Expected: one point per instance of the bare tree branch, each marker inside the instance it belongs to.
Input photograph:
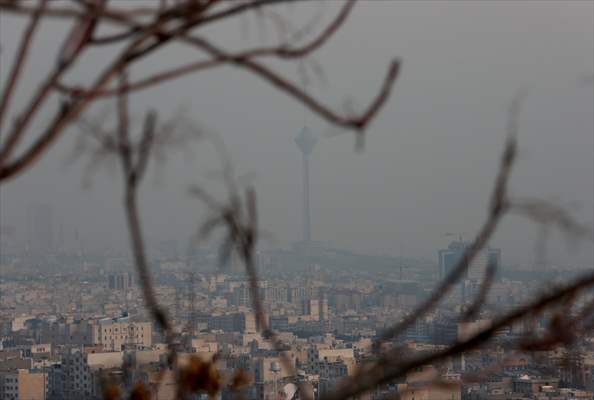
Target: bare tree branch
(149, 38)
(389, 366)
(19, 63)
(499, 205)
(34, 105)
(497, 209)
(144, 30)
(546, 213)
(481, 297)
(132, 175)
(22, 8)
(239, 217)
(358, 122)
(134, 160)
(282, 51)
(67, 113)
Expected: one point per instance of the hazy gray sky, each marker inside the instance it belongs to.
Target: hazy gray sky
(429, 158)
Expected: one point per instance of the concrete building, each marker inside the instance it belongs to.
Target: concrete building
(332, 372)
(532, 385)
(120, 280)
(420, 385)
(275, 295)
(330, 364)
(316, 309)
(421, 391)
(319, 353)
(65, 332)
(79, 375)
(244, 322)
(115, 333)
(23, 384)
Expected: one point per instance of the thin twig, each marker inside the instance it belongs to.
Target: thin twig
(497, 209)
(139, 48)
(19, 63)
(22, 9)
(358, 122)
(67, 113)
(481, 297)
(240, 219)
(547, 214)
(281, 51)
(496, 212)
(389, 366)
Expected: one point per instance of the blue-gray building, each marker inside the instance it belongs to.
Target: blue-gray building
(449, 258)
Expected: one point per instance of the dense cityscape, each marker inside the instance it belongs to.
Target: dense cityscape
(296, 200)
(72, 321)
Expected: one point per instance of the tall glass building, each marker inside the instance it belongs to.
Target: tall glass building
(449, 258)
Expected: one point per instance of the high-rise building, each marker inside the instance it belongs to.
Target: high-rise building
(120, 280)
(449, 258)
(40, 229)
(316, 309)
(8, 242)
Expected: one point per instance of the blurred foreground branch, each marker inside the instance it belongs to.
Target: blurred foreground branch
(160, 26)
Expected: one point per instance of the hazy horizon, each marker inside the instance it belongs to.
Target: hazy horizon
(429, 158)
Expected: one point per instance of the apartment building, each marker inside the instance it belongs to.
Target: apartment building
(23, 384)
(79, 375)
(233, 322)
(114, 334)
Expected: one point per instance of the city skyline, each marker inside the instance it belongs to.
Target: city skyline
(286, 200)
(428, 160)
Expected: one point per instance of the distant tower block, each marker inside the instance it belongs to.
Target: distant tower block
(306, 142)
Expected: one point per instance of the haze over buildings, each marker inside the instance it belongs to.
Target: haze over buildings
(40, 229)
(429, 159)
(349, 270)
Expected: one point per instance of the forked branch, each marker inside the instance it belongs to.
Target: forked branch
(167, 23)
